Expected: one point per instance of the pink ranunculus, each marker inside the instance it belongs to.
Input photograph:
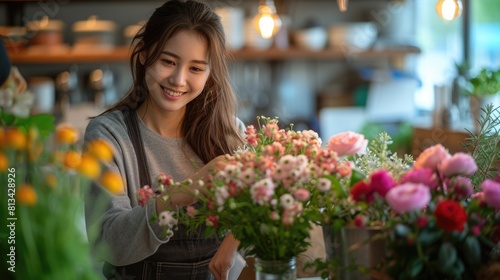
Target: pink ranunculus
(460, 186)
(424, 176)
(301, 194)
(491, 193)
(408, 197)
(431, 157)
(458, 164)
(347, 143)
(381, 182)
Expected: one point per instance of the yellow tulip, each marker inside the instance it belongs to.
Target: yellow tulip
(89, 166)
(66, 134)
(72, 159)
(34, 151)
(26, 195)
(16, 139)
(4, 162)
(112, 181)
(101, 150)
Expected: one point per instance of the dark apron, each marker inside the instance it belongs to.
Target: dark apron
(184, 257)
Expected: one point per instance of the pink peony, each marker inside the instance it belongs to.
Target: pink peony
(458, 164)
(381, 182)
(491, 193)
(424, 176)
(431, 157)
(348, 143)
(408, 197)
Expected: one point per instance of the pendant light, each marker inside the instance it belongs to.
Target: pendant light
(267, 21)
(342, 5)
(449, 9)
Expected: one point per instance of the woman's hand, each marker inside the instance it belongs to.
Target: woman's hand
(223, 260)
(183, 196)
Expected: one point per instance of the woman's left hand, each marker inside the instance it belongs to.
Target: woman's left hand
(223, 260)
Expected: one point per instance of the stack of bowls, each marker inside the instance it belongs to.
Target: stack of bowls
(354, 36)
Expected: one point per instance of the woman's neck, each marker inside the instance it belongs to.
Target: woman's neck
(166, 124)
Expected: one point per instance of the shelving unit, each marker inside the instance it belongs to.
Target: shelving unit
(121, 54)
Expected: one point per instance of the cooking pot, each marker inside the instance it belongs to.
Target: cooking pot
(93, 33)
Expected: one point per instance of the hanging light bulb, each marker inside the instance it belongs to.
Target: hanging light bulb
(267, 21)
(449, 9)
(342, 5)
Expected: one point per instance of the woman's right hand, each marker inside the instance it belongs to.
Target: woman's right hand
(183, 196)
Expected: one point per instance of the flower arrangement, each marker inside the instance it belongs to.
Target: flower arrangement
(442, 230)
(44, 174)
(268, 195)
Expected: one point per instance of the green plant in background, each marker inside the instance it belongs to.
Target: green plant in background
(401, 135)
(483, 145)
(485, 83)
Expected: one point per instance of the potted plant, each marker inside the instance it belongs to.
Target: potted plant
(483, 88)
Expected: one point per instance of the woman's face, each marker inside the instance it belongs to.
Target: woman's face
(180, 73)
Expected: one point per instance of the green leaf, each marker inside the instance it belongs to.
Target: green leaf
(356, 176)
(472, 251)
(427, 236)
(43, 122)
(447, 256)
(416, 266)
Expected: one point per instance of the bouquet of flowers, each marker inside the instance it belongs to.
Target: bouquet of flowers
(270, 191)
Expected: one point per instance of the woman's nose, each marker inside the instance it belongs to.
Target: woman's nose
(178, 77)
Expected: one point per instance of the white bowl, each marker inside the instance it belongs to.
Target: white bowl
(353, 36)
(314, 38)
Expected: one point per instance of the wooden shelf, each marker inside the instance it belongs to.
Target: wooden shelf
(122, 54)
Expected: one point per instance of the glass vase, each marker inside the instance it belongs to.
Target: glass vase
(275, 269)
(354, 248)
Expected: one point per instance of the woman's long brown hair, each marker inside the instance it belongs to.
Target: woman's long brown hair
(209, 125)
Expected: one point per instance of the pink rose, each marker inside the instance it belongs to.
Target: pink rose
(408, 197)
(347, 143)
(424, 176)
(458, 164)
(491, 193)
(431, 157)
(381, 182)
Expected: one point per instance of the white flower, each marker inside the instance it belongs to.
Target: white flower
(287, 201)
(166, 218)
(324, 184)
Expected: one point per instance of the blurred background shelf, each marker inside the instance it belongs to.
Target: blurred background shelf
(122, 54)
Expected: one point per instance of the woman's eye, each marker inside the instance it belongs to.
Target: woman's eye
(196, 69)
(167, 61)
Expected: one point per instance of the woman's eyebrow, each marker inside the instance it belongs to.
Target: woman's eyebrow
(178, 57)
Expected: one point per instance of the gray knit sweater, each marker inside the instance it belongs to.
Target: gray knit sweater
(125, 227)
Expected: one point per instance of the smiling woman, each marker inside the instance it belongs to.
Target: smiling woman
(179, 117)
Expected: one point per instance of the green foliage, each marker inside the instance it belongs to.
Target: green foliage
(486, 82)
(379, 156)
(483, 145)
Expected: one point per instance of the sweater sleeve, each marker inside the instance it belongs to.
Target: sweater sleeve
(117, 227)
